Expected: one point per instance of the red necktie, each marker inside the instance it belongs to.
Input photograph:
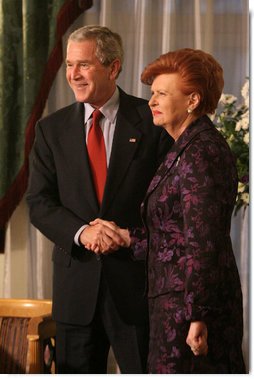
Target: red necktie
(97, 155)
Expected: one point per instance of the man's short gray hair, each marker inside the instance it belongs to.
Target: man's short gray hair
(108, 44)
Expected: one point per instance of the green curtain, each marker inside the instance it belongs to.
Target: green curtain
(30, 56)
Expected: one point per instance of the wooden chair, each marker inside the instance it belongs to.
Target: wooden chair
(27, 336)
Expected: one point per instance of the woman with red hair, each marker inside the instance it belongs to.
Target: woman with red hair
(193, 286)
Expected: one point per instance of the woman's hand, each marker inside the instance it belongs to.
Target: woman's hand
(197, 338)
(95, 238)
(113, 237)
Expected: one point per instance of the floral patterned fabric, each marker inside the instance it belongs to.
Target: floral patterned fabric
(192, 274)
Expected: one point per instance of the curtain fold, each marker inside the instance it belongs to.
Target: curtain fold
(30, 56)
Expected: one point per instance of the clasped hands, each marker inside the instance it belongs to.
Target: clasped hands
(103, 237)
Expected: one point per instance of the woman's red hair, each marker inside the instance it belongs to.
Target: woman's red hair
(199, 72)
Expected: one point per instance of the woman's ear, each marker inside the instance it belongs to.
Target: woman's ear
(194, 100)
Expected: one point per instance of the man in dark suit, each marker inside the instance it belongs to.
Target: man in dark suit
(98, 299)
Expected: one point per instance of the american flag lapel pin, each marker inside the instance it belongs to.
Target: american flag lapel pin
(133, 140)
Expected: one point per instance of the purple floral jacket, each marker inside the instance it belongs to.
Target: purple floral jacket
(187, 214)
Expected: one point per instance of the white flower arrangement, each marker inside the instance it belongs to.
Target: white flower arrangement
(232, 120)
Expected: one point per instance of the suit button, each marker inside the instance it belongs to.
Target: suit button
(98, 258)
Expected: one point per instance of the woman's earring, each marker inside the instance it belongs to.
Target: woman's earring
(189, 110)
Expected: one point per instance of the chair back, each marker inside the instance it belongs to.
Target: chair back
(27, 334)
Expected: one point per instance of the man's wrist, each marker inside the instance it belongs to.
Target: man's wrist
(78, 234)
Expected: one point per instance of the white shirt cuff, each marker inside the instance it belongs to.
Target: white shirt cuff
(76, 237)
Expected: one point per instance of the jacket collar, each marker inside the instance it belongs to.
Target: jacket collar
(126, 140)
(198, 126)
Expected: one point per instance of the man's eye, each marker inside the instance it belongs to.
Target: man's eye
(84, 65)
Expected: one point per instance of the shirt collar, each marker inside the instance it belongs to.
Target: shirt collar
(109, 109)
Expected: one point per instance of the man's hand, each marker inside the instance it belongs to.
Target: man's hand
(105, 237)
(96, 238)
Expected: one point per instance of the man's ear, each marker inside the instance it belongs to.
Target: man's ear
(115, 68)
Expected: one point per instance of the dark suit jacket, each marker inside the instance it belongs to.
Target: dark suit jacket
(61, 198)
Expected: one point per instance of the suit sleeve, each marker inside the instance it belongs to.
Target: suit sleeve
(138, 243)
(46, 212)
(206, 187)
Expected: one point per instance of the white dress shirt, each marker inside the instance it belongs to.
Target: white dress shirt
(107, 124)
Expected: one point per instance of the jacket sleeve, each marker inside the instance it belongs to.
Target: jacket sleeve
(46, 212)
(138, 243)
(207, 187)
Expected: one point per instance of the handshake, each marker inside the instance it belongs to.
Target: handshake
(103, 237)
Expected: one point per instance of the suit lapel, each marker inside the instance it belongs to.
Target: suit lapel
(174, 155)
(126, 140)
